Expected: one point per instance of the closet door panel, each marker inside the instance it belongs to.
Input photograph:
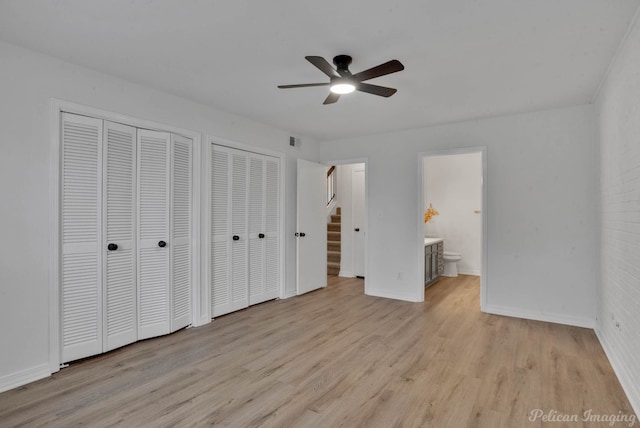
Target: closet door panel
(153, 234)
(229, 234)
(239, 231)
(256, 229)
(180, 250)
(119, 280)
(272, 228)
(220, 227)
(81, 264)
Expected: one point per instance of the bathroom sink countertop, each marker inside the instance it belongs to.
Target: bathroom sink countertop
(430, 241)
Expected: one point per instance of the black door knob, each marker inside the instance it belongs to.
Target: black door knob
(357, 229)
(162, 244)
(303, 234)
(112, 247)
(260, 235)
(236, 238)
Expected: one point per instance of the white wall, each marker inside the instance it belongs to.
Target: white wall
(618, 108)
(346, 227)
(542, 221)
(28, 81)
(453, 184)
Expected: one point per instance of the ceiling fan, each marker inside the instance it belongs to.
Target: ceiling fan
(341, 81)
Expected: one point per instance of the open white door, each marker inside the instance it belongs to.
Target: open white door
(357, 210)
(311, 230)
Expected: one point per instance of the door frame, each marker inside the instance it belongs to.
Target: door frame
(205, 273)
(483, 213)
(365, 161)
(58, 107)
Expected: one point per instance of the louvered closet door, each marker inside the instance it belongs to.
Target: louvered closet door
(81, 285)
(256, 229)
(119, 289)
(272, 228)
(263, 229)
(180, 249)
(229, 240)
(153, 233)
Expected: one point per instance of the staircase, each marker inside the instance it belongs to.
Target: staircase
(333, 244)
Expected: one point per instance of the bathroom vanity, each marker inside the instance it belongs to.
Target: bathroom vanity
(433, 259)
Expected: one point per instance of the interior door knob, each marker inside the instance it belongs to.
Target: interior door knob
(260, 235)
(303, 234)
(162, 244)
(357, 229)
(112, 247)
(236, 238)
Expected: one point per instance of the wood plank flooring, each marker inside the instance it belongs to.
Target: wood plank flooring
(337, 358)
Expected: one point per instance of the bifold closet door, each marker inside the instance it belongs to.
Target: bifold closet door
(118, 248)
(264, 252)
(81, 258)
(229, 237)
(180, 248)
(153, 233)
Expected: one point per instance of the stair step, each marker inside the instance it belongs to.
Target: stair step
(333, 236)
(333, 256)
(333, 246)
(336, 218)
(338, 210)
(333, 227)
(333, 268)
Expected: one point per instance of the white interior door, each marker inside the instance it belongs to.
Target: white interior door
(81, 237)
(119, 273)
(180, 248)
(256, 229)
(153, 233)
(271, 288)
(264, 249)
(311, 227)
(239, 231)
(358, 214)
(229, 233)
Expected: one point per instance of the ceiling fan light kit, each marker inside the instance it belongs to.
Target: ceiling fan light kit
(342, 81)
(342, 87)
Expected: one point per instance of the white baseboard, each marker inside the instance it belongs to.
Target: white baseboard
(395, 296)
(474, 272)
(14, 380)
(346, 274)
(626, 380)
(289, 294)
(201, 321)
(538, 316)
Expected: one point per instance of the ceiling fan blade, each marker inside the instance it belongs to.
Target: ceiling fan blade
(332, 98)
(383, 91)
(303, 85)
(388, 67)
(322, 65)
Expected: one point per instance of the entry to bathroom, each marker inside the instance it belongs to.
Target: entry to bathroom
(453, 217)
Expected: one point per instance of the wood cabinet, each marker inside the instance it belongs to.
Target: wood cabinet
(433, 260)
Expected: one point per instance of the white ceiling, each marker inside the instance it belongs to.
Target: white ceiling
(463, 59)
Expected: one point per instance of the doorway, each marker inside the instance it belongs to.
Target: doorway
(453, 213)
(351, 202)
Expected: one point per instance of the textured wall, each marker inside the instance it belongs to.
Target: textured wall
(618, 108)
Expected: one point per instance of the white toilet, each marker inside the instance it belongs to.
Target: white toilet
(451, 260)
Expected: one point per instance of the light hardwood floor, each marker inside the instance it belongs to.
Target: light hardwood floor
(336, 357)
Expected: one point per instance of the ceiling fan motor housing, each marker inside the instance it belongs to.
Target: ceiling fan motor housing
(342, 62)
